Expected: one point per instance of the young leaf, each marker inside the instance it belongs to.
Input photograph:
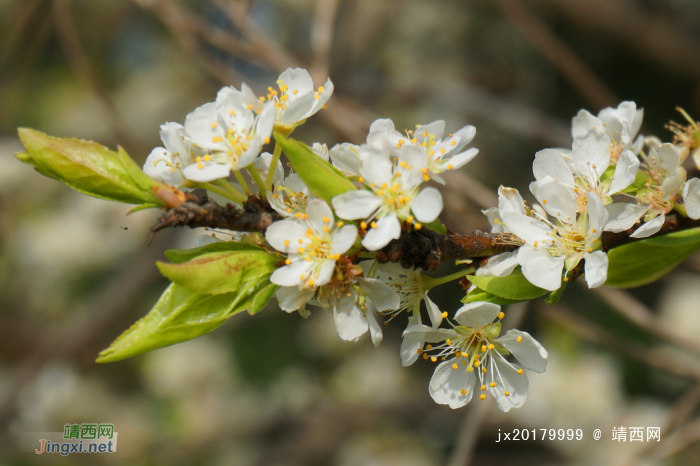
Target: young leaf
(85, 166)
(322, 178)
(179, 256)
(220, 272)
(479, 295)
(554, 297)
(642, 262)
(437, 226)
(514, 286)
(181, 315)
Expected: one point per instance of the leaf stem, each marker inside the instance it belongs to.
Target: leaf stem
(373, 269)
(273, 166)
(430, 283)
(258, 180)
(241, 181)
(680, 209)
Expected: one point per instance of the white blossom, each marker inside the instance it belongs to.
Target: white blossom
(295, 101)
(473, 345)
(551, 249)
(441, 154)
(393, 196)
(166, 164)
(691, 198)
(621, 124)
(230, 131)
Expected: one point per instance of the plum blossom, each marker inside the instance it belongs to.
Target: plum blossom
(621, 124)
(473, 345)
(657, 198)
(231, 133)
(166, 164)
(550, 249)
(441, 154)
(295, 101)
(412, 288)
(393, 196)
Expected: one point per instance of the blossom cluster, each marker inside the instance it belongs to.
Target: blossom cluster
(611, 180)
(575, 188)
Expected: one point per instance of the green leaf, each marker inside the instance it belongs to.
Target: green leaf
(555, 296)
(181, 315)
(85, 166)
(645, 261)
(639, 182)
(437, 226)
(142, 180)
(479, 295)
(220, 272)
(514, 286)
(179, 256)
(322, 178)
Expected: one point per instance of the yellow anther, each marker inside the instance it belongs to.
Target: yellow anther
(295, 91)
(275, 196)
(449, 166)
(491, 346)
(535, 244)
(261, 99)
(444, 316)
(301, 250)
(566, 279)
(402, 164)
(424, 170)
(501, 315)
(442, 151)
(420, 350)
(340, 224)
(320, 88)
(213, 124)
(326, 229)
(410, 219)
(298, 215)
(198, 159)
(363, 225)
(361, 180)
(593, 231)
(207, 158)
(463, 391)
(506, 393)
(425, 356)
(373, 224)
(544, 201)
(492, 384)
(301, 241)
(286, 242)
(483, 369)
(267, 140)
(483, 387)
(483, 348)
(200, 165)
(464, 355)
(250, 106)
(455, 366)
(590, 250)
(453, 143)
(311, 283)
(464, 363)
(287, 262)
(434, 359)
(304, 217)
(520, 371)
(519, 339)
(232, 112)
(483, 396)
(302, 276)
(326, 219)
(380, 192)
(417, 226)
(429, 347)
(470, 369)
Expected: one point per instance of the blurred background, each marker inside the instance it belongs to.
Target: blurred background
(276, 389)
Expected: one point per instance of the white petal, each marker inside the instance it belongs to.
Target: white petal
(382, 296)
(516, 384)
(343, 239)
(345, 158)
(280, 232)
(354, 205)
(323, 276)
(673, 182)
(596, 268)
(266, 121)
(203, 240)
(558, 201)
(298, 79)
(465, 135)
(290, 275)
(208, 172)
(477, 315)
(527, 228)
(198, 125)
(500, 265)
(529, 352)
(382, 124)
(447, 384)
(668, 157)
(435, 129)
(651, 227)
(540, 268)
(317, 210)
(597, 215)
(549, 162)
(623, 216)
(433, 311)
(322, 98)
(583, 122)
(625, 172)
(375, 330)
(377, 170)
(691, 198)
(350, 323)
(510, 200)
(591, 154)
(427, 205)
(291, 298)
(388, 228)
(411, 343)
(495, 220)
(158, 166)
